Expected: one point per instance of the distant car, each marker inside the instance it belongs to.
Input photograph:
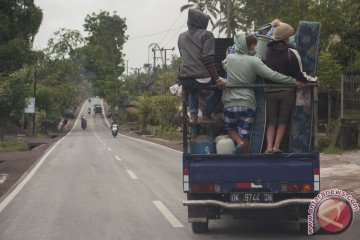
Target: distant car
(98, 109)
(68, 113)
(96, 105)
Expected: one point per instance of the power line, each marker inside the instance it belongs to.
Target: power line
(175, 35)
(156, 33)
(170, 27)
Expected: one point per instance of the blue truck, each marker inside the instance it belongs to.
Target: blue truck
(250, 186)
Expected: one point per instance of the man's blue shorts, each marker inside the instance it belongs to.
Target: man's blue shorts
(240, 119)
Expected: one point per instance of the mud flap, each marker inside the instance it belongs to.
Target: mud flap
(197, 214)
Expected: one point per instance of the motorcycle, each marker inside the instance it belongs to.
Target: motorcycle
(114, 130)
(83, 123)
(89, 110)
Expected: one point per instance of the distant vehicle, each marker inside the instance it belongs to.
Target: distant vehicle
(96, 105)
(89, 100)
(83, 123)
(68, 113)
(98, 109)
(89, 110)
(114, 129)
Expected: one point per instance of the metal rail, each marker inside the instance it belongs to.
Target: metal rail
(247, 205)
(270, 85)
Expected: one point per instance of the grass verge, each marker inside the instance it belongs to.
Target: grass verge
(13, 146)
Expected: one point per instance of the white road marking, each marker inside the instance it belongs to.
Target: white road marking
(118, 158)
(144, 141)
(132, 174)
(97, 136)
(3, 177)
(168, 215)
(26, 179)
(110, 149)
(151, 143)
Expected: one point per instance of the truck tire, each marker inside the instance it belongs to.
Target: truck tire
(303, 228)
(200, 227)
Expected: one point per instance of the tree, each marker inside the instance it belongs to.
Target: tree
(19, 23)
(329, 72)
(104, 56)
(204, 6)
(347, 25)
(164, 81)
(259, 12)
(13, 92)
(233, 20)
(59, 76)
(63, 43)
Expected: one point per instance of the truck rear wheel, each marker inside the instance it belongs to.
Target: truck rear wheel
(304, 228)
(200, 227)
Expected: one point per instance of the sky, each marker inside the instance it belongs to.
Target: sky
(148, 22)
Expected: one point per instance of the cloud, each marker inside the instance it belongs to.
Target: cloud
(144, 19)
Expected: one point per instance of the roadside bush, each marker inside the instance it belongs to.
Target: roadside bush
(132, 114)
(163, 111)
(156, 114)
(13, 146)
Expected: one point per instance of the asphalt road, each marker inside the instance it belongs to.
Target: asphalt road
(90, 185)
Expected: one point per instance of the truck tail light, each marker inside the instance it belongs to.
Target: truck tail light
(205, 187)
(296, 187)
(186, 179)
(243, 185)
(316, 179)
(307, 187)
(240, 185)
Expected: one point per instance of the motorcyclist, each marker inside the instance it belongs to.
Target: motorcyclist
(114, 126)
(83, 121)
(89, 110)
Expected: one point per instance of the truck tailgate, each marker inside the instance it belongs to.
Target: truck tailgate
(252, 168)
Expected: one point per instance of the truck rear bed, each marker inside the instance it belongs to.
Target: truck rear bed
(249, 186)
(254, 185)
(270, 173)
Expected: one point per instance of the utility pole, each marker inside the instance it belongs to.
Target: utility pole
(127, 68)
(137, 71)
(154, 59)
(167, 49)
(155, 48)
(228, 16)
(34, 119)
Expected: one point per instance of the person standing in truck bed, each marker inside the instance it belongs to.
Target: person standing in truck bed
(197, 69)
(240, 103)
(280, 101)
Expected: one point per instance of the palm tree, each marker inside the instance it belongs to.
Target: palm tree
(233, 21)
(204, 6)
(231, 9)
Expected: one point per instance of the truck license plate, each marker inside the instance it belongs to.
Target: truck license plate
(251, 197)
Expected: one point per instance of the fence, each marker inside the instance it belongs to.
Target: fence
(350, 97)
